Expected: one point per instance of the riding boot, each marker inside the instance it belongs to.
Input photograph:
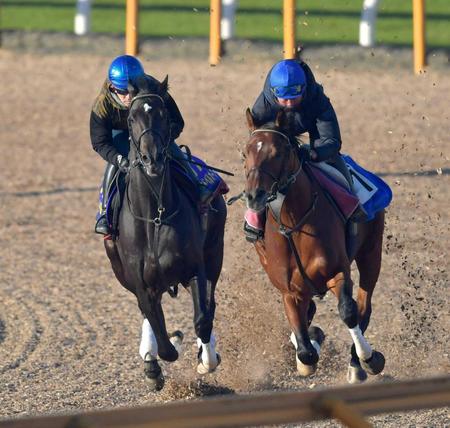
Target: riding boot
(251, 233)
(102, 226)
(254, 223)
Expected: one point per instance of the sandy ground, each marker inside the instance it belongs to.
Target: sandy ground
(69, 333)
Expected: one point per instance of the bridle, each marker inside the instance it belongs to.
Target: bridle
(139, 161)
(281, 182)
(142, 164)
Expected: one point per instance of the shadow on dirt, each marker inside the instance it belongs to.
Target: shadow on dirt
(2, 331)
(205, 389)
(49, 192)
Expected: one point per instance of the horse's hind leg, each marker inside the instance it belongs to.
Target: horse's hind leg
(342, 285)
(368, 261)
(202, 291)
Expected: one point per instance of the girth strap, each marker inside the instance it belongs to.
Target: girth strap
(275, 207)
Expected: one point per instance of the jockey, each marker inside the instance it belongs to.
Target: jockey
(109, 128)
(291, 85)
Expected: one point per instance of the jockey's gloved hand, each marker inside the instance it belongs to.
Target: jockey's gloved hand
(123, 164)
(308, 154)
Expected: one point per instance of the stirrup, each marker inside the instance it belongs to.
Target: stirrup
(252, 234)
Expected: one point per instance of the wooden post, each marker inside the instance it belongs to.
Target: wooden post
(289, 29)
(131, 31)
(419, 35)
(214, 32)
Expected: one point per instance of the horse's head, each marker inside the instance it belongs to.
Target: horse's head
(269, 160)
(148, 123)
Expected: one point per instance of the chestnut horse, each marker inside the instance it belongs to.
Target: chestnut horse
(304, 250)
(162, 240)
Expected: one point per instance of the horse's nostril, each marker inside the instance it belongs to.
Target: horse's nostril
(249, 197)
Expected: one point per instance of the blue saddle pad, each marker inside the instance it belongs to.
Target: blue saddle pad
(209, 179)
(373, 192)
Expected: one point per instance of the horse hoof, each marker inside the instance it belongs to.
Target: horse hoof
(156, 384)
(355, 374)
(305, 370)
(176, 339)
(375, 364)
(202, 369)
(153, 374)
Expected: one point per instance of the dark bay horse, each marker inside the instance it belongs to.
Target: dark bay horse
(163, 241)
(304, 251)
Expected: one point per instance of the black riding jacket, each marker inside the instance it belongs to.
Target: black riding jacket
(108, 114)
(315, 115)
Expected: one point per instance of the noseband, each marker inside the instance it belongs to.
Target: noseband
(276, 186)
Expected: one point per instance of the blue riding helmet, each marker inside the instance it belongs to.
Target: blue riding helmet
(123, 69)
(287, 79)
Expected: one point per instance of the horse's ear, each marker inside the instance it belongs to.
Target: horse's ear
(281, 121)
(164, 85)
(142, 84)
(250, 120)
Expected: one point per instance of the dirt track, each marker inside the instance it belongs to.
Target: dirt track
(69, 333)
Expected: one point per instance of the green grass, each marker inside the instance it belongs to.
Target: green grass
(318, 21)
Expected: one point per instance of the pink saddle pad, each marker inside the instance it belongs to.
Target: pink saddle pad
(346, 201)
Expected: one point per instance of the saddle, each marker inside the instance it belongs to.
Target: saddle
(209, 186)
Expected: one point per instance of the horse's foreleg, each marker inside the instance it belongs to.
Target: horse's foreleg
(299, 316)
(202, 291)
(152, 310)
(148, 349)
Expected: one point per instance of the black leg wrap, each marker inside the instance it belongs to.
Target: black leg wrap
(348, 311)
(308, 357)
(154, 375)
(306, 353)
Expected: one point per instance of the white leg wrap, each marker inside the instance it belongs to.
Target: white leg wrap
(148, 346)
(363, 349)
(209, 354)
(313, 343)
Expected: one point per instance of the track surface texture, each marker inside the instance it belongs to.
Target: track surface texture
(69, 333)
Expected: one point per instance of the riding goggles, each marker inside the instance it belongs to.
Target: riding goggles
(287, 92)
(119, 91)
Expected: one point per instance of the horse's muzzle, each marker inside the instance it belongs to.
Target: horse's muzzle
(256, 199)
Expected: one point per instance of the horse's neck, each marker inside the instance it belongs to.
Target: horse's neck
(149, 194)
